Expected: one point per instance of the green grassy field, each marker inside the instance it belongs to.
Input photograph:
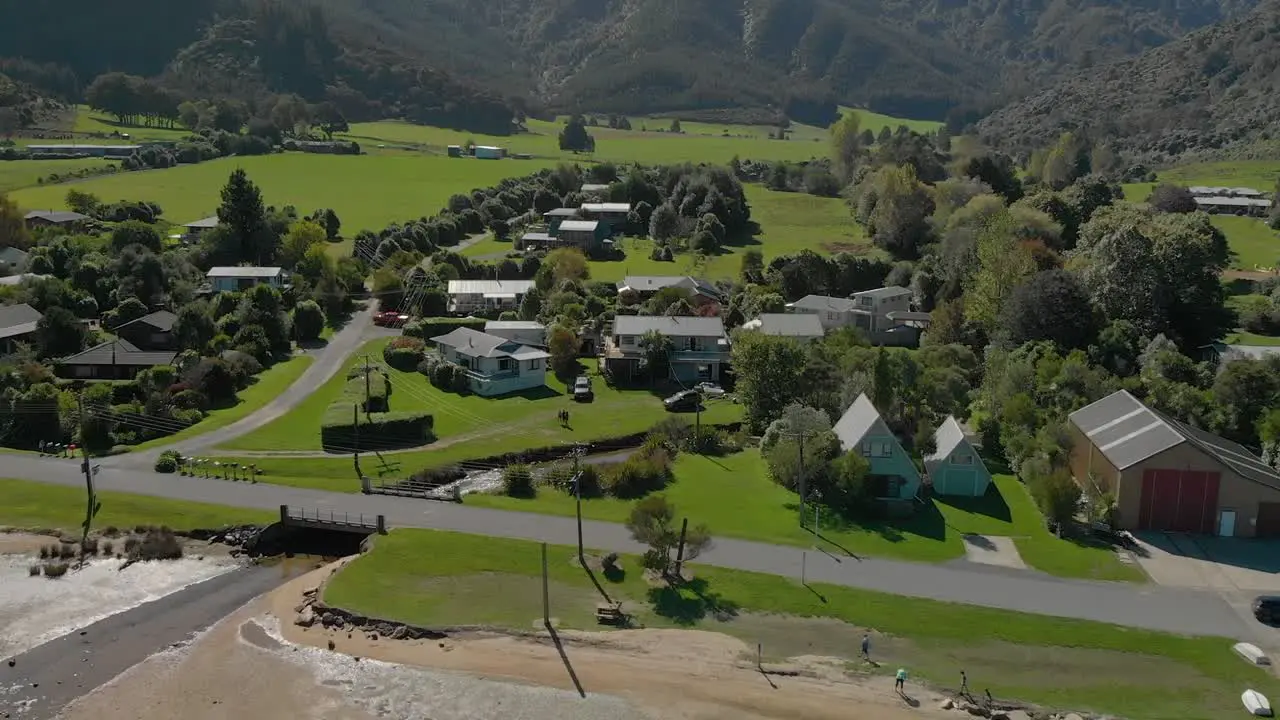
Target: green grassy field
(18, 174)
(736, 498)
(441, 579)
(90, 121)
(270, 383)
(35, 505)
(789, 222)
(1255, 245)
(367, 192)
(467, 427)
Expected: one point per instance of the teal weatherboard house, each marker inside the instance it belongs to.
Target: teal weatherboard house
(955, 468)
(893, 474)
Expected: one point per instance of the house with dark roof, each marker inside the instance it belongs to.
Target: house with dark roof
(113, 360)
(494, 365)
(525, 332)
(17, 325)
(893, 474)
(699, 347)
(58, 218)
(954, 467)
(883, 315)
(193, 230)
(151, 332)
(240, 278)
(801, 326)
(1168, 476)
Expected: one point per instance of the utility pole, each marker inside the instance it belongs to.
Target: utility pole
(577, 491)
(684, 530)
(801, 479)
(355, 412)
(546, 591)
(366, 383)
(92, 505)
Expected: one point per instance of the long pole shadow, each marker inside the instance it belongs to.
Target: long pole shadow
(603, 593)
(813, 590)
(767, 678)
(564, 657)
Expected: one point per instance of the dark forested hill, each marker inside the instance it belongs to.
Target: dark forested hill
(909, 57)
(1216, 88)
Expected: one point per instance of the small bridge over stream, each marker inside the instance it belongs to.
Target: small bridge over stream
(330, 520)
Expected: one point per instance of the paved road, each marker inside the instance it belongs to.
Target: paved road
(45, 679)
(330, 360)
(1153, 607)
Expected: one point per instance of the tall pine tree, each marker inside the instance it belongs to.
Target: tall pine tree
(244, 215)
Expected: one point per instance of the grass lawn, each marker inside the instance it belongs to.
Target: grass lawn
(40, 506)
(1248, 338)
(270, 383)
(90, 121)
(446, 579)
(734, 496)
(789, 222)
(1255, 245)
(18, 174)
(466, 427)
(367, 192)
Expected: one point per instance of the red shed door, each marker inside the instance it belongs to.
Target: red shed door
(1179, 501)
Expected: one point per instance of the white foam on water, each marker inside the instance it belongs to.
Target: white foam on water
(413, 693)
(35, 610)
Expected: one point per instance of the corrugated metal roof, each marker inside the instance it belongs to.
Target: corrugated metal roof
(946, 438)
(1124, 430)
(1234, 456)
(56, 216)
(561, 212)
(823, 302)
(802, 325)
(579, 225)
(673, 326)
(478, 344)
(514, 325)
(857, 422)
(203, 223)
(537, 237)
(489, 287)
(247, 271)
(162, 320)
(607, 207)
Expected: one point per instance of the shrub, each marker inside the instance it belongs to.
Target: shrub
(167, 462)
(33, 570)
(108, 548)
(403, 353)
(48, 551)
(90, 546)
(157, 544)
(450, 377)
(639, 475)
(190, 400)
(377, 431)
(66, 551)
(55, 570)
(130, 545)
(440, 475)
(517, 481)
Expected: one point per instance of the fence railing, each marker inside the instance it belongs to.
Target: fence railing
(331, 517)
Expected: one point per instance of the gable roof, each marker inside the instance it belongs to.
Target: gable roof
(1127, 432)
(561, 212)
(801, 325)
(948, 438)
(13, 256)
(607, 207)
(56, 216)
(477, 344)
(857, 422)
(203, 223)
(513, 325)
(654, 283)
(823, 302)
(675, 326)
(119, 352)
(579, 225)
(161, 320)
(247, 271)
(18, 320)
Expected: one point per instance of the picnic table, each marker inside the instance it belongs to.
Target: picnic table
(610, 613)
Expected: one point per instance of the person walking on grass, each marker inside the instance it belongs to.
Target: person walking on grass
(866, 647)
(900, 681)
(964, 684)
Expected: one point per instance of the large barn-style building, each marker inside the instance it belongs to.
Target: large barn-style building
(1169, 476)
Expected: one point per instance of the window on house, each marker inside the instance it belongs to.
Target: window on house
(831, 315)
(504, 363)
(877, 448)
(885, 486)
(535, 364)
(866, 301)
(962, 459)
(628, 340)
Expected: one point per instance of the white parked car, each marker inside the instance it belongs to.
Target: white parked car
(710, 389)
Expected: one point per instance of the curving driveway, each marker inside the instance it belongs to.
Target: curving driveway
(330, 359)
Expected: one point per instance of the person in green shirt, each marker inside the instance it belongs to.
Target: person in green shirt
(900, 680)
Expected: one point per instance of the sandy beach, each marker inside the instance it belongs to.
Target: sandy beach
(257, 663)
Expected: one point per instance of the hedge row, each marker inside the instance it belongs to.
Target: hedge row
(427, 328)
(353, 393)
(378, 431)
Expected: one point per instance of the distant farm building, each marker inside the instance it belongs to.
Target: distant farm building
(489, 152)
(1231, 201)
(59, 218)
(118, 152)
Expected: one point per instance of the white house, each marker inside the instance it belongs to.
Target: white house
(700, 346)
(525, 332)
(495, 365)
(646, 286)
(233, 279)
(467, 296)
(884, 314)
(801, 326)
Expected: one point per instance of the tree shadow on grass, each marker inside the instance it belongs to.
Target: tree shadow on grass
(992, 504)
(926, 522)
(687, 603)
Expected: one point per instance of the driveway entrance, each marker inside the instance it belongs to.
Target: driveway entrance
(1211, 563)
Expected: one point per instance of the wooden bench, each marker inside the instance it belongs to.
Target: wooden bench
(610, 613)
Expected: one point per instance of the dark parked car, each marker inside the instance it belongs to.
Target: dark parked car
(582, 389)
(1267, 609)
(683, 401)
